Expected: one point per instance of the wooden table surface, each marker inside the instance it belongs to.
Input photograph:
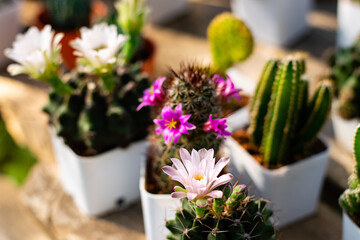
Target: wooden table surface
(52, 214)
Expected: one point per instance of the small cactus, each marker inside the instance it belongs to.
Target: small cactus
(211, 207)
(68, 14)
(91, 120)
(193, 88)
(350, 199)
(280, 100)
(230, 40)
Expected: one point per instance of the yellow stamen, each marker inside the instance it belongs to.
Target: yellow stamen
(198, 177)
(152, 90)
(171, 124)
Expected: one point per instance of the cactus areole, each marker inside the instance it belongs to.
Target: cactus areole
(283, 122)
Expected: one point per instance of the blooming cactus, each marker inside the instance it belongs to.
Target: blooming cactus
(218, 126)
(211, 208)
(226, 88)
(37, 53)
(153, 95)
(198, 173)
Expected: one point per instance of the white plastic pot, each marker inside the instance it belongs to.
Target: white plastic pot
(9, 27)
(163, 10)
(157, 208)
(348, 15)
(293, 190)
(350, 230)
(278, 22)
(101, 183)
(344, 129)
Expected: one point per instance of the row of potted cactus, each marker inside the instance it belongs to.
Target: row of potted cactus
(100, 112)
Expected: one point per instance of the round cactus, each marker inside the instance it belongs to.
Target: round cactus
(230, 40)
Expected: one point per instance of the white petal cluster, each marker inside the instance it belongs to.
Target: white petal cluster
(99, 46)
(198, 173)
(34, 51)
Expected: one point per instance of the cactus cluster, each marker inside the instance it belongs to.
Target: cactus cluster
(230, 40)
(350, 199)
(193, 87)
(235, 216)
(68, 14)
(92, 120)
(282, 120)
(345, 73)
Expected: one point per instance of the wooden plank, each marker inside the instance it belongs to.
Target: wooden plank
(16, 222)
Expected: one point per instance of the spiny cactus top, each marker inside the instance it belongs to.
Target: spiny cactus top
(345, 73)
(230, 39)
(282, 120)
(189, 115)
(350, 199)
(94, 107)
(211, 210)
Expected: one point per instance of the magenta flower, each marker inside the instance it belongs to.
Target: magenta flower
(154, 95)
(217, 125)
(173, 124)
(198, 174)
(226, 88)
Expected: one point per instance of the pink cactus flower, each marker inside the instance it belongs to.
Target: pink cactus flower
(218, 126)
(154, 95)
(173, 124)
(198, 174)
(226, 88)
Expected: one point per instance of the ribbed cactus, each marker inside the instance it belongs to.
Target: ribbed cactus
(230, 40)
(91, 120)
(349, 97)
(192, 87)
(350, 199)
(282, 121)
(235, 216)
(68, 14)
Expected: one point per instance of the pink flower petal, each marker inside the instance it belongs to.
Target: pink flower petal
(191, 196)
(184, 154)
(223, 179)
(178, 195)
(220, 165)
(215, 194)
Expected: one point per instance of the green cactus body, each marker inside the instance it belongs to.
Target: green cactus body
(260, 102)
(349, 98)
(68, 14)
(350, 199)
(249, 220)
(281, 114)
(230, 39)
(282, 120)
(92, 121)
(191, 86)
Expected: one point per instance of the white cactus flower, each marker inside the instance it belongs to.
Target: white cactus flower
(98, 46)
(35, 52)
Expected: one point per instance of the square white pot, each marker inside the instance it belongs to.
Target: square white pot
(348, 16)
(157, 208)
(9, 27)
(101, 183)
(293, 190)
(278, 22)
(350, 230)
(164, 10)
(344, 129)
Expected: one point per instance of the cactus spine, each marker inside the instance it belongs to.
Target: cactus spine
(240, 217)
(281, 99)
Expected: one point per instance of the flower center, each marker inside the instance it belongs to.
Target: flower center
(152, 90)
(172, 124)
(100, 47)
(198, 177)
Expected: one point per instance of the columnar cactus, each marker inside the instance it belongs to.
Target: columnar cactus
(68, 14)
(191, 115)
(208, 212)
(282, 120)
(91, 120)
(350, 199)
